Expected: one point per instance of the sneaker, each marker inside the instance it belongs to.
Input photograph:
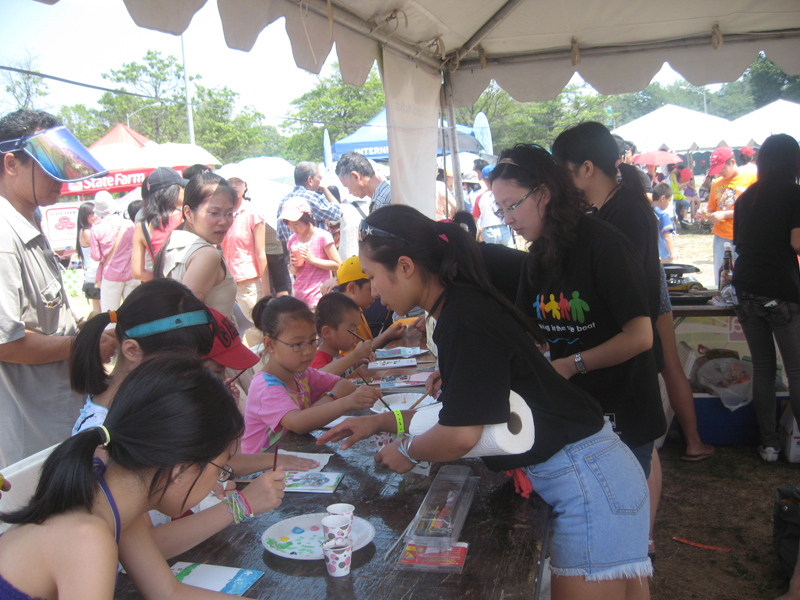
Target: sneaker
(769, 454)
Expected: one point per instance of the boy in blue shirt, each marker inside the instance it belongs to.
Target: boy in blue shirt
(662, 196)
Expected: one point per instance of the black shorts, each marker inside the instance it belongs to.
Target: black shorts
(91, 292)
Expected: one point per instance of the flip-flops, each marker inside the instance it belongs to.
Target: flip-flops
(708, 452)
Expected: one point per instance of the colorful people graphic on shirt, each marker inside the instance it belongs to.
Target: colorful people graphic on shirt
(564, 306)
(552, 307)
(578, 306)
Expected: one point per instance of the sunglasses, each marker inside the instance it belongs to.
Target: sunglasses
(58, 153)
(365, 230)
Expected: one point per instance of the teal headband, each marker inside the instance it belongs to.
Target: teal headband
(198, 317)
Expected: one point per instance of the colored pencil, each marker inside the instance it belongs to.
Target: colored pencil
(355, 334)
(275, 462)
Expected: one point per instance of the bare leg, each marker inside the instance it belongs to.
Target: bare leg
(577, 588)
(678, 389)
(794, 584)
(654, 487)
(96, 305)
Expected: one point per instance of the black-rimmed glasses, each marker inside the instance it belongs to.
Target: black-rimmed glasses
(225, 472)
(502, 212)
(365, 230)
(300, 346)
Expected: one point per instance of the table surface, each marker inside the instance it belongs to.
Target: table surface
(503, 530)
(703, 310)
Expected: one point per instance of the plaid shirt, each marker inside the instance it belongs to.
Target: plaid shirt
(321, 210)
(382, 197)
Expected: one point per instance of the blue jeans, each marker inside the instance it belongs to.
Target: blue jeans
(763, 324)
(497, 234)
(601, 509)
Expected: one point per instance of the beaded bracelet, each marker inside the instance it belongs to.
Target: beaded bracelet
(239, 507)
(401, 425)
(404, 445)
(332, 395)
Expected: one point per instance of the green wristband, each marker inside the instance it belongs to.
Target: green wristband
(401, 427)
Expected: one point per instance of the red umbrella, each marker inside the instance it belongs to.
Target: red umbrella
(659, 157)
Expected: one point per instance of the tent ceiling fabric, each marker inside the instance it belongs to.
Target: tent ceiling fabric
(622, 43)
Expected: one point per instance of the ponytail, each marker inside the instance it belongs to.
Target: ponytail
(169, 411)
(151, 301)
(442, 249)
(67, 481)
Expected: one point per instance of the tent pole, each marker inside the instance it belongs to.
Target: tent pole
(458, 189)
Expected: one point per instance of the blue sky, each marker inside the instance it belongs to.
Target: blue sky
(80, 39)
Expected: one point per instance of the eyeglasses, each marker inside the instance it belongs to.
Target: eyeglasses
(301, 346)
(216, 215)
(225, 472)
(365, 230)
(502, 212)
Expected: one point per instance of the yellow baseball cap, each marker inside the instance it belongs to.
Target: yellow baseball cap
(350, 270)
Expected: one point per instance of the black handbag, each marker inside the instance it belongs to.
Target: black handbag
(786, 526)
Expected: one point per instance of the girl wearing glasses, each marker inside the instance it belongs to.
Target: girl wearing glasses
(171, 429)
(287, 394)
(488, 348)
(190, 254)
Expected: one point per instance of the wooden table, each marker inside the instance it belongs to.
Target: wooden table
(680, 313)
(504, 532)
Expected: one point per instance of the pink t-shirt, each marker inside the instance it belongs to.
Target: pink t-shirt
(268, 401)
(309, 278)
(239, 245)
(102, 240)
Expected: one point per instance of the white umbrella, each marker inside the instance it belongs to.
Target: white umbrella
(172, 154)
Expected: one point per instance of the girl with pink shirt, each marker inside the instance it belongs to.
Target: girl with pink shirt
(313, 253)
(287, 394)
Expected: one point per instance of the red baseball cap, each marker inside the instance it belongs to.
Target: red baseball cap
(747, 151)
(228, 349)
(718, 159)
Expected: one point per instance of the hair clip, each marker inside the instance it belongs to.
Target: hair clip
(444, 237)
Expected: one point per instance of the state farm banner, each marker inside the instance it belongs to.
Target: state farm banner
(115, 181)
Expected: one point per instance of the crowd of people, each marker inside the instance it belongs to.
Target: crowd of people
(196, 288)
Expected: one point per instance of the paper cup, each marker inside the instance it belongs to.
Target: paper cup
(342, 509)
(337, 555)
(382, 440)
(299, 261)
(337, 526)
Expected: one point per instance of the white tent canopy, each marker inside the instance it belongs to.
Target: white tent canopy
(681, 129)
(781, 116)
(530, 47)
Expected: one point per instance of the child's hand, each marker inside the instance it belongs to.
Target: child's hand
(364, 397)
(287, 462)
(266, 492)
(420, 324)
(220, 489)
(395, 332)
(231, 385)
(363, 349)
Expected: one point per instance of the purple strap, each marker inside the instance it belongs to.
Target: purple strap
(99, 469)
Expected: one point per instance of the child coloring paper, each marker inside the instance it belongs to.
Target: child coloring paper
(316, 483)
(228, 580)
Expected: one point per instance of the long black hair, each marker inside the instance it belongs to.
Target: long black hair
(199, 189)
(169, 411)
(84, 212)
(149, 302)
(593, 141)
(530, 167)
(779, 159)
(159, 206)
(443, 250)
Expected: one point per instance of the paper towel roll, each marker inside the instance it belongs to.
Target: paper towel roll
(515, 437)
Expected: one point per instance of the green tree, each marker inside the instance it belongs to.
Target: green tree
(23, 90)
(767, 82)
(228, 134)
(333, 104)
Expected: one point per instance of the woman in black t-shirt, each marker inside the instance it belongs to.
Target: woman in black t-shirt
(766, 231)
(487, 349)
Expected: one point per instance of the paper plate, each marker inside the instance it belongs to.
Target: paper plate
(300, 538)
(401, 402)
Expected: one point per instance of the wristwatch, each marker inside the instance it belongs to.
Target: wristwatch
(579, 364)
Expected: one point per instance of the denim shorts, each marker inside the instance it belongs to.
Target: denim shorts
(601, 509)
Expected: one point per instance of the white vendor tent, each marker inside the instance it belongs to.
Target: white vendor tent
(681, 129)
(530, 47)
(781, 116)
